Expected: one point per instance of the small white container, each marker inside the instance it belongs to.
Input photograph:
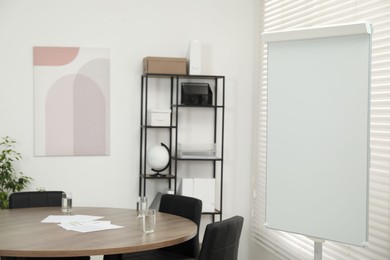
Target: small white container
(159, 117)
(195, 58)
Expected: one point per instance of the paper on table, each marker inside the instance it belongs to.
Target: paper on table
(80, 223)
(69, 218)
(89, 226)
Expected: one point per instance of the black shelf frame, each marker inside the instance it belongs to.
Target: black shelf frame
(173, 129)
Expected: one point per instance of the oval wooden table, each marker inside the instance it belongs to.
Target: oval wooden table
(22, 233)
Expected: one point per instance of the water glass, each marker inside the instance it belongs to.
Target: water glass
(142, 206)
(149, 221)
(66, 205)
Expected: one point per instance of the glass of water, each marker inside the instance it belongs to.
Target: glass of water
(149, 221)
(142, 206)
(66, 205)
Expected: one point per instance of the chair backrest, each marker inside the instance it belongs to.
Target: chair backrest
(187, 207)
(29, 199)
(221, 239)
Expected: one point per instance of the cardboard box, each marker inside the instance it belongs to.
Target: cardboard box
(159, 117)
(163, 65)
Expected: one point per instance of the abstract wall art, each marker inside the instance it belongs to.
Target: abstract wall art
(71, 101)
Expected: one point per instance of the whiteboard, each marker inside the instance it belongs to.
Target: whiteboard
(318, 132)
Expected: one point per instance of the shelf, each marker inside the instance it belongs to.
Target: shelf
(154, 75)
(215, 111)
(160, 177)
(216, 212)
(149, 126)
(199, 106)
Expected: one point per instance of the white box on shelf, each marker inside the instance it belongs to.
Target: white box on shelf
(195, 58)
(200, 188)
(159, 117)
(187, 187)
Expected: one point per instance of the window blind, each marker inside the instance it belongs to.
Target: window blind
(287, 14)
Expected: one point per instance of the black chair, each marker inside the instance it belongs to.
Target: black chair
(30, 199)
(220, 242)
(187, 207)
(221, 239)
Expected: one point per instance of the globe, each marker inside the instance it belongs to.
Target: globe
(158, 157)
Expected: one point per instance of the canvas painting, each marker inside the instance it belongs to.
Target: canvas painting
(71, 101)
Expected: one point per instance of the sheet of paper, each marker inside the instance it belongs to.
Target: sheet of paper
(89, 226)
(69, 218)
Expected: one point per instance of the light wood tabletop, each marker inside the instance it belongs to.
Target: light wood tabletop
(22, 233)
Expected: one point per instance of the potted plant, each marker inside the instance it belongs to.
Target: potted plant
(10, 180)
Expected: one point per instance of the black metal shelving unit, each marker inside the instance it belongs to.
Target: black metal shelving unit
(217, 83)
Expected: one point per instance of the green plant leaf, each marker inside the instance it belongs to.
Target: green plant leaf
(10, 179)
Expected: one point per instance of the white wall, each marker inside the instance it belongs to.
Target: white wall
(132, 29)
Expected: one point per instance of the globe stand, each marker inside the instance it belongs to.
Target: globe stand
(158, 174)
(158, 171)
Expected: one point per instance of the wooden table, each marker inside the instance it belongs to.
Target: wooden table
(23, 234)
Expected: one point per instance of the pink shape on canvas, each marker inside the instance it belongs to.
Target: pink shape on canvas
(54, 56)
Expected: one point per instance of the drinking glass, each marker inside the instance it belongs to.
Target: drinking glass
(66, 205)
(149, 221)
(142, 206)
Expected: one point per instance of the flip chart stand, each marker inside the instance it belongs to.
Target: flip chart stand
(317, 247)
(318, 82)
